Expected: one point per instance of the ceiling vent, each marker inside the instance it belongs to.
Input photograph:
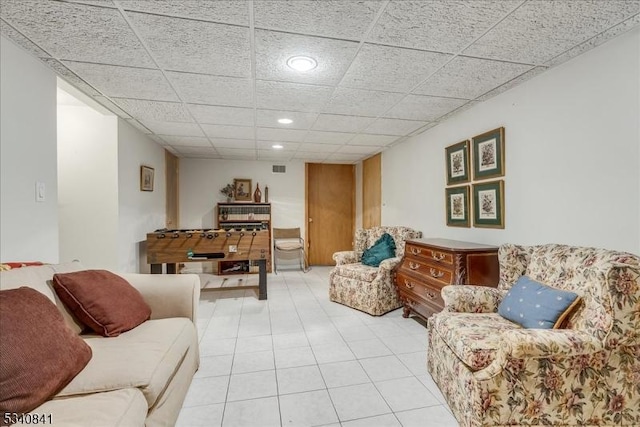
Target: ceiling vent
(279, 169)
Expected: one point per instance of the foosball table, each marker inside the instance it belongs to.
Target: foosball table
(172, 247)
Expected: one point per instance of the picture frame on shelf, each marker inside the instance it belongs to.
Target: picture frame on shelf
(242, 190)
(457, 158)
(146, 178)
(488, 204)
(457, 201)
(488, 154)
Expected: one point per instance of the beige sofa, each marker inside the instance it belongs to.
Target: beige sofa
(140, 377)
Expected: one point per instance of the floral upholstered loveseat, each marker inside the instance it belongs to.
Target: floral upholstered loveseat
(494, 373)
(365, 288)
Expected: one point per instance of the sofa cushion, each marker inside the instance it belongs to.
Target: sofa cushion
(357, 271)
(40, 354)
(472, 337)
(146, 357)
(118, 408)
(103, 301)
(382, 249)
(535, 305)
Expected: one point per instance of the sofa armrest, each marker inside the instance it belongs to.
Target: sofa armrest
(542, 343)
(390, 263)
(471, 299)
(168, 295)
(345, 257)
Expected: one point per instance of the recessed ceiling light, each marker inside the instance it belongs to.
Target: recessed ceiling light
(302, 63)
(277, 146)
(285, 121)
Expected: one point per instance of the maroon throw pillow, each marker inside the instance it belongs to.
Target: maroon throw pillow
(39, 353)
(103, 301)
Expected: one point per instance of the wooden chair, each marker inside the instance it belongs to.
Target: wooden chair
(288, 240)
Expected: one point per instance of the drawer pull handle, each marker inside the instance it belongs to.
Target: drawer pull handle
(408, 284)
(437, 256)
(413, 265)
(416, 251)
(431, 295)
(435, 273)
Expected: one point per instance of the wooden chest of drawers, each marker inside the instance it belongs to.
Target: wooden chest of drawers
(431, 264)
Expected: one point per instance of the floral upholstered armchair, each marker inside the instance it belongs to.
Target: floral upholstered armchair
(493, 372)
(366, 288)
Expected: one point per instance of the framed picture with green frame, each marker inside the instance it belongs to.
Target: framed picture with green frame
(457, 200)
(488, 155)
(488, 204)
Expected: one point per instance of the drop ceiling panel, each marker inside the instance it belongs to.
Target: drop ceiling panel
(269, 118)
(342, 157)
(230, 12)
(216, 115)
(442, 26)
(310, 157)
(197, 152)
(213, 90)
(189, 141)
(342, 123)
(360, 102)
(125, 82)
(365, 139)
(273, 49)
(225, 131)
(286, 146)
(106, 102)
(185, 45)
(291, 96)
(237, 153)
(136, 124)
(280, 156)
(318, 148)
(397, 69)
(321, 137)
(11, 33)
(358, 149)
(271, 134)
(469, 78)
(233, 143)
(512, 83)
(173, 129)
(426, 108)
(398, 127)
(77, 32)
(540, 30)
(337, 19)
(155, 110)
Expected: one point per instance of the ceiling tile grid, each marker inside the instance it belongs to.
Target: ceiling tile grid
(209, 79)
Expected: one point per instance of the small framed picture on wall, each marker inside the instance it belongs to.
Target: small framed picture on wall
(488, 204)
(457, 158)
(146, 178)
(242, 189)
(458, 206)
(488, 154)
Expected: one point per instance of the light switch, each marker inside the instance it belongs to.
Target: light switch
(40, 191)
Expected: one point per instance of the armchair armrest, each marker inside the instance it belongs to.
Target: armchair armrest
(541, 343)
(345, 257)
(471, 299)
(390, 263)
(168, 295)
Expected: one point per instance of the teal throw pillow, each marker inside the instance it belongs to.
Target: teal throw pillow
(384, 248)
(536, 306)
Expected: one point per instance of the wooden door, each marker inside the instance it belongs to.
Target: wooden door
(171, 163)
(372, 191)
(330, 211)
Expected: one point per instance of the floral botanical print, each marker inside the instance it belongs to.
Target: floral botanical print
(495, 373)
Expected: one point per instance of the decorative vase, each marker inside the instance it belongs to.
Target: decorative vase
(257, 195)
(266, 194)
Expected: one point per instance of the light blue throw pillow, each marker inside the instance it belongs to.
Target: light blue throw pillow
(384, 248)
(536, 306)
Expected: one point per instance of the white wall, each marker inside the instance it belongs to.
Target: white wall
(88, 186)
(572, 157)
(139, 212)
(28, 229)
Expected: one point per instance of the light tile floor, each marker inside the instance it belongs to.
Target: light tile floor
(298, 359)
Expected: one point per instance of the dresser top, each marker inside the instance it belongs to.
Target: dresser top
(453, 245)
